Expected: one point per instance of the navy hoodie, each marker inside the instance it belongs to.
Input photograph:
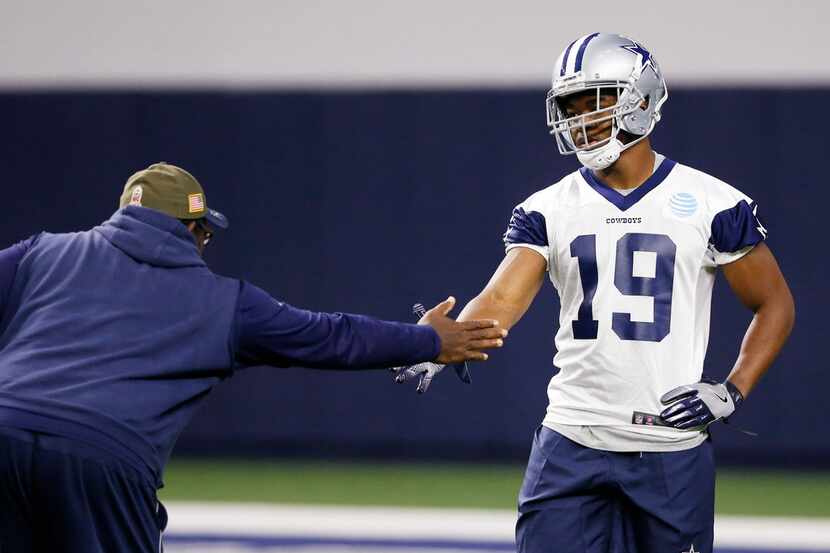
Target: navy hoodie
(114, 335)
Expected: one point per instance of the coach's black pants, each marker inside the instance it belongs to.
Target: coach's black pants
(59, 496)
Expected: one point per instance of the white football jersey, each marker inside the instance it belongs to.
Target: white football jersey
(634, 274)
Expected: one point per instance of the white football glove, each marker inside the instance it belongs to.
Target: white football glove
(426, 370)
(694, 406)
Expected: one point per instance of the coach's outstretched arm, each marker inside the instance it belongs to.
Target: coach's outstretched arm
(511, 289)
(270, 332)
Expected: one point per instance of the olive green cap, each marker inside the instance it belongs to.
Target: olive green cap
(171, 190)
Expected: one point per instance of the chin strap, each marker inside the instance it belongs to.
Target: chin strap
(602, 157)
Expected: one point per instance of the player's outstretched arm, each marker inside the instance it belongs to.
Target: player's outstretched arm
(757, 281)
(511, 289)
(505, 299)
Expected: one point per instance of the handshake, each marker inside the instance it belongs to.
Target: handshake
(460, 342)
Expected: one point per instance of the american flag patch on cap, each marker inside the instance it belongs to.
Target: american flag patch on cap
(195, 203)
(135, 197)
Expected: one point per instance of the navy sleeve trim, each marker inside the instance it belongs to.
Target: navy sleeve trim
(526, 228)
(737, 227)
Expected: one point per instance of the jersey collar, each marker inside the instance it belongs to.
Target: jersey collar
(623, 202)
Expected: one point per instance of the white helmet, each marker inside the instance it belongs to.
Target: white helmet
(605, 61)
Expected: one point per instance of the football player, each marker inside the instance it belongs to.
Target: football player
(632, 242)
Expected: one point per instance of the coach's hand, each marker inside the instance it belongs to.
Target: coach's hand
(462, 341)
(698, 405)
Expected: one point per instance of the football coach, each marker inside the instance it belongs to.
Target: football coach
(111, 337)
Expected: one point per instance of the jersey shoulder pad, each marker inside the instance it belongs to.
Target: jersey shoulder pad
(717, 194)
(529, 222)
(734, 223)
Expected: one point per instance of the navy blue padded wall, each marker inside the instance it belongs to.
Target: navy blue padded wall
(370, 201)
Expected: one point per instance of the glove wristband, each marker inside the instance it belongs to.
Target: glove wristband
(735, 393)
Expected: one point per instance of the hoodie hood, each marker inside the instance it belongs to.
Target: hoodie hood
(151, 237)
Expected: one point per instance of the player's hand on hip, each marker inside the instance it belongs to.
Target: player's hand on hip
(465, 341)
(696, 406)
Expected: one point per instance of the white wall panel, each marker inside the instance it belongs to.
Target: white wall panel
(370, 43)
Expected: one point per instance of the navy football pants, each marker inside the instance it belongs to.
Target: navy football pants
(59, 496)
(580, 500)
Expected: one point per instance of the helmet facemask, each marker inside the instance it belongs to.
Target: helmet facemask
(572, 133)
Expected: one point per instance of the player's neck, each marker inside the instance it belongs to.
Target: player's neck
(633, 168)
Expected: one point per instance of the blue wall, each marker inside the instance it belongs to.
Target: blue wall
(368, 202)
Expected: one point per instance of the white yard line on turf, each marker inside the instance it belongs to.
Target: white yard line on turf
(396, 523)
(340, 522)
(772, 532)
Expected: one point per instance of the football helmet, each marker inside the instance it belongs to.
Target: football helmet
(604, 63)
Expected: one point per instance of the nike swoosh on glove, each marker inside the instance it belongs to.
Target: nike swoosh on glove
(696, 406)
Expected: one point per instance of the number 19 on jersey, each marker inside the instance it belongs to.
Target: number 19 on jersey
(659, 286)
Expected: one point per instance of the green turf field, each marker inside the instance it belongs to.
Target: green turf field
(471, 486)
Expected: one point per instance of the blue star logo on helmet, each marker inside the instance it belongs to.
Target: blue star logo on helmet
(635, 48)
